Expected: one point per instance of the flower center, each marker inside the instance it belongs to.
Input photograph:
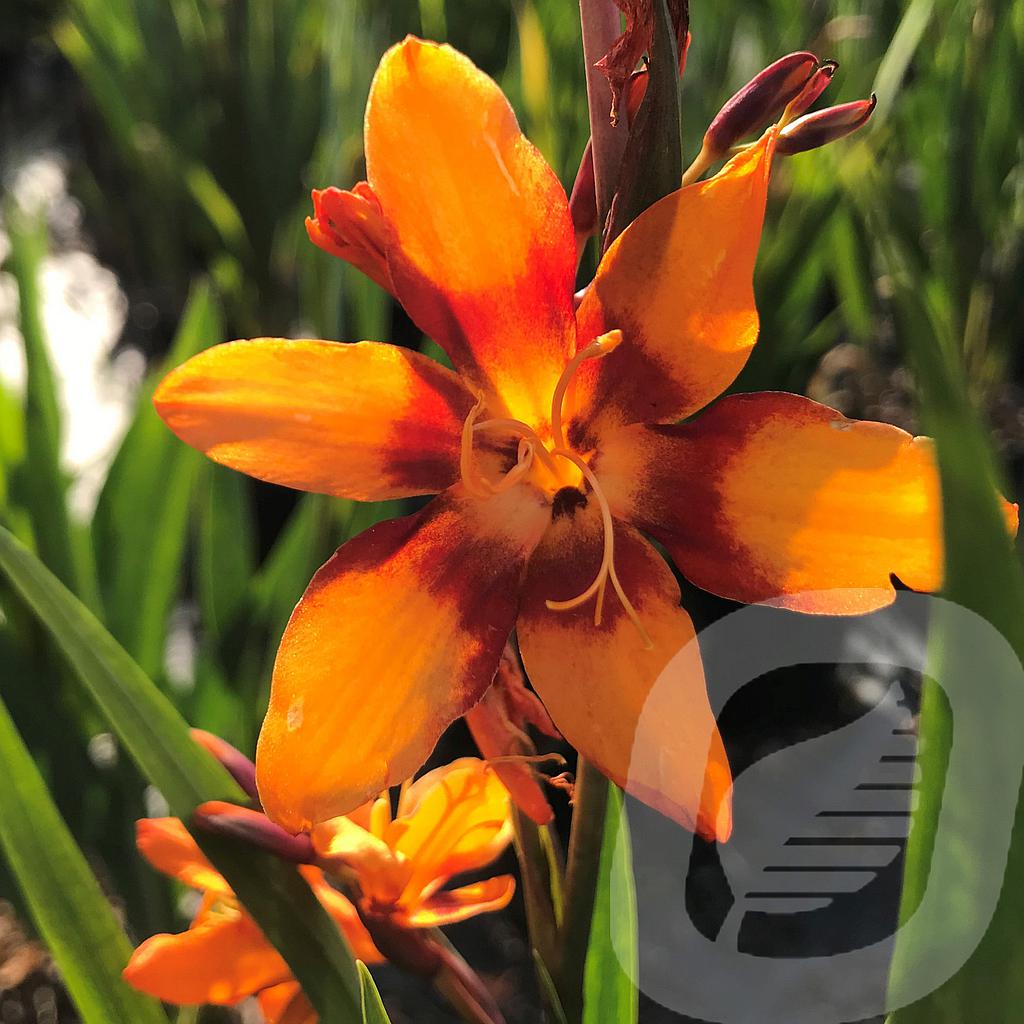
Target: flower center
(534, 454)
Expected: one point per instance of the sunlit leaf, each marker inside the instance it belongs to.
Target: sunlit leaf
(373, 1007)
(609, 985)
(142, 517)
(68, 907)
(158, 739)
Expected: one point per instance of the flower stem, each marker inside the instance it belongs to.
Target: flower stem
(601, 27)
(541, 887)
(580, 886)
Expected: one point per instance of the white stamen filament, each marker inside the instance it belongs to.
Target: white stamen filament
(607, 569)
(532, 446)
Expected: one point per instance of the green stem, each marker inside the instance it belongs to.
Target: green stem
(581, 878)
(539, 888)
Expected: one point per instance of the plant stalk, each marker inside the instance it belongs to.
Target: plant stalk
(581, 879)
(601, 27)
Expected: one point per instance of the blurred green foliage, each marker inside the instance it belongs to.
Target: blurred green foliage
(208, 123)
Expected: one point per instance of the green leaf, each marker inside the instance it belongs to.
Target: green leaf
(68, 907)
(373, 1007)
(609, 979)
(983, 575)
(142, 517)
(158, 739)
(227, 544)
(46, 486)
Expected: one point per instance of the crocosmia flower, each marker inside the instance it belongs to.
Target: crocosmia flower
(452, 820)
(556, 449)
(224, 957)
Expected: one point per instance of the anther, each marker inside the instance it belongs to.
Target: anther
(600, 346)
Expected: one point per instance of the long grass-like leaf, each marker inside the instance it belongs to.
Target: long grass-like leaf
(46, 486)
(984, 576)
(159, 741)
(373, 1007)
(609, 984)
(142, 517)
(66, 902)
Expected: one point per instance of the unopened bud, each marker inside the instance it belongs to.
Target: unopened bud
(253, 827)
(759, 101)
(816, 85)
(240, 768)
(583, 201)
(824, 126)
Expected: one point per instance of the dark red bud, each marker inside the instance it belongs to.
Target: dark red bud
(763, 98)
(824, 126)
(253, 827)
(816, 85)
(241, 769)
(583, 201)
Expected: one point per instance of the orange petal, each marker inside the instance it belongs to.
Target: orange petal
(397, 635)
(345, 915)
(484, 257)
(351, 226)
(170, 848)
(366, 421)
(498, 727)
(453, 905)
(600, 683)
(462, 822)
(772, 497)
(286, 1004)
(340, 843)
(221, 960)
(678, 283)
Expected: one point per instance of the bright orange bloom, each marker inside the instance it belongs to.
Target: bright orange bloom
(224, 957)
(553, 446)
(451, 820)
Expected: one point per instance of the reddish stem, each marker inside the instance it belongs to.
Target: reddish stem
(601, 27)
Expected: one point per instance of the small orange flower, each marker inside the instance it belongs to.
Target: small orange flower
(556, 446)
(451, 820)
(224, 957)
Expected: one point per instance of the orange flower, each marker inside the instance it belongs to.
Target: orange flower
(451, 820)
(553, 445)
(224, 957)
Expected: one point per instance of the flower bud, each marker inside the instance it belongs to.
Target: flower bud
(816, 85)
(759, 101)
(241, 769)
(823, 126)
(253, 827)
(351, 226)
(498, 725)
(583, 201)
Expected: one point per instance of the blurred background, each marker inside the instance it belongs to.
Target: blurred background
(156, 158)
